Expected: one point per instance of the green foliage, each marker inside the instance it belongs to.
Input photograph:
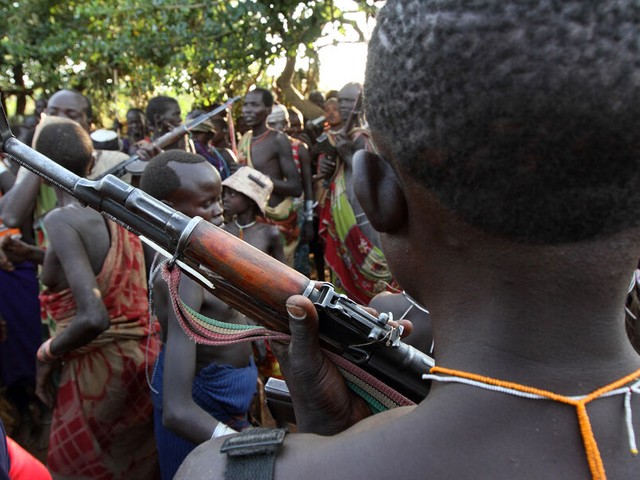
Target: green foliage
(116, 49)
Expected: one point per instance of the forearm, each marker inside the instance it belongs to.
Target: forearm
(19, 202)
(14, 250)
(287, 187)
(188, 420)
(81, 331)
(307, 178)
(6, 178)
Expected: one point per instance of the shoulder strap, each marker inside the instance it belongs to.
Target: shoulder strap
(251, 454)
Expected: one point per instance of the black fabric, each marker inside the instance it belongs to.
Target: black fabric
(251, 454)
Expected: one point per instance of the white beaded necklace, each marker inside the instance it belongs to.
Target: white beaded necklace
(242, 228)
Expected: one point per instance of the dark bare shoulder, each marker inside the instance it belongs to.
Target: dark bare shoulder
(85, 220)
(267, 229)
(305, 455)
(71, 214)
(444, 442)
(282, 138)
(88, 224)
(79, 242)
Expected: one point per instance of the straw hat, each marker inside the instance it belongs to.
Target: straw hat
(252, 183)
(204, 127)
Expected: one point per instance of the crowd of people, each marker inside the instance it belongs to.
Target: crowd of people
(77, 298)
(481, 187)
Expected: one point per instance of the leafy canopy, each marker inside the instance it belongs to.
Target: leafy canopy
(127, 48)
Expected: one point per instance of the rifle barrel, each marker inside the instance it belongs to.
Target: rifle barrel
(248, 279)
(169, 138)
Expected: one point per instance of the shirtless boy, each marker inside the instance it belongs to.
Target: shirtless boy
(506, 197)
(245, 196)
(94, 298)
(196, 388)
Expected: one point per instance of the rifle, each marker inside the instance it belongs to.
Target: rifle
(323, 145)
(168, 138)
(278, 400)
(240, 275)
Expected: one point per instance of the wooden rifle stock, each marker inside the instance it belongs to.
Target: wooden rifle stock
(246, 278)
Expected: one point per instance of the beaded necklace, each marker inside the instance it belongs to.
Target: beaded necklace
(260, 138)
(242, 228)
(618, 387)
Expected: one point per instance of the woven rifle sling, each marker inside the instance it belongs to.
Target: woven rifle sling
(208, 331)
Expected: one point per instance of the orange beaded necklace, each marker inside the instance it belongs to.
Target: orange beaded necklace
(591, 447)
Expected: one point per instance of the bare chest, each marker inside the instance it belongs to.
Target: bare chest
(265, 158)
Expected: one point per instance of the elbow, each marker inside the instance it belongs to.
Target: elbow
(95, 330)
(98, 324)
(169, 419)
(10, 220)
(13, 216)
(181, 419)
(175, 421)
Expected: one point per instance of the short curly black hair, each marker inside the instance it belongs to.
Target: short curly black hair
(267, 96)
(160, 180)
(68, 144)
(520, 115)
(157, 106)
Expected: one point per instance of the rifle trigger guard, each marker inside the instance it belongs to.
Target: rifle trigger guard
(357, 355)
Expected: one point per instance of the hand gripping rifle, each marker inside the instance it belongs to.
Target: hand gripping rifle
(324, 146)
(168, 138)
(246, 278)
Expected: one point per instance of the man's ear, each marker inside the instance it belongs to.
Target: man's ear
(379, 192)
(91, 163)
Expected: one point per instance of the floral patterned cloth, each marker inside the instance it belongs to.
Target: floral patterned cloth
(358, 268)
(102, 425)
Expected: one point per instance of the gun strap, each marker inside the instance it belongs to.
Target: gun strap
(251, 454)
(207, 331)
